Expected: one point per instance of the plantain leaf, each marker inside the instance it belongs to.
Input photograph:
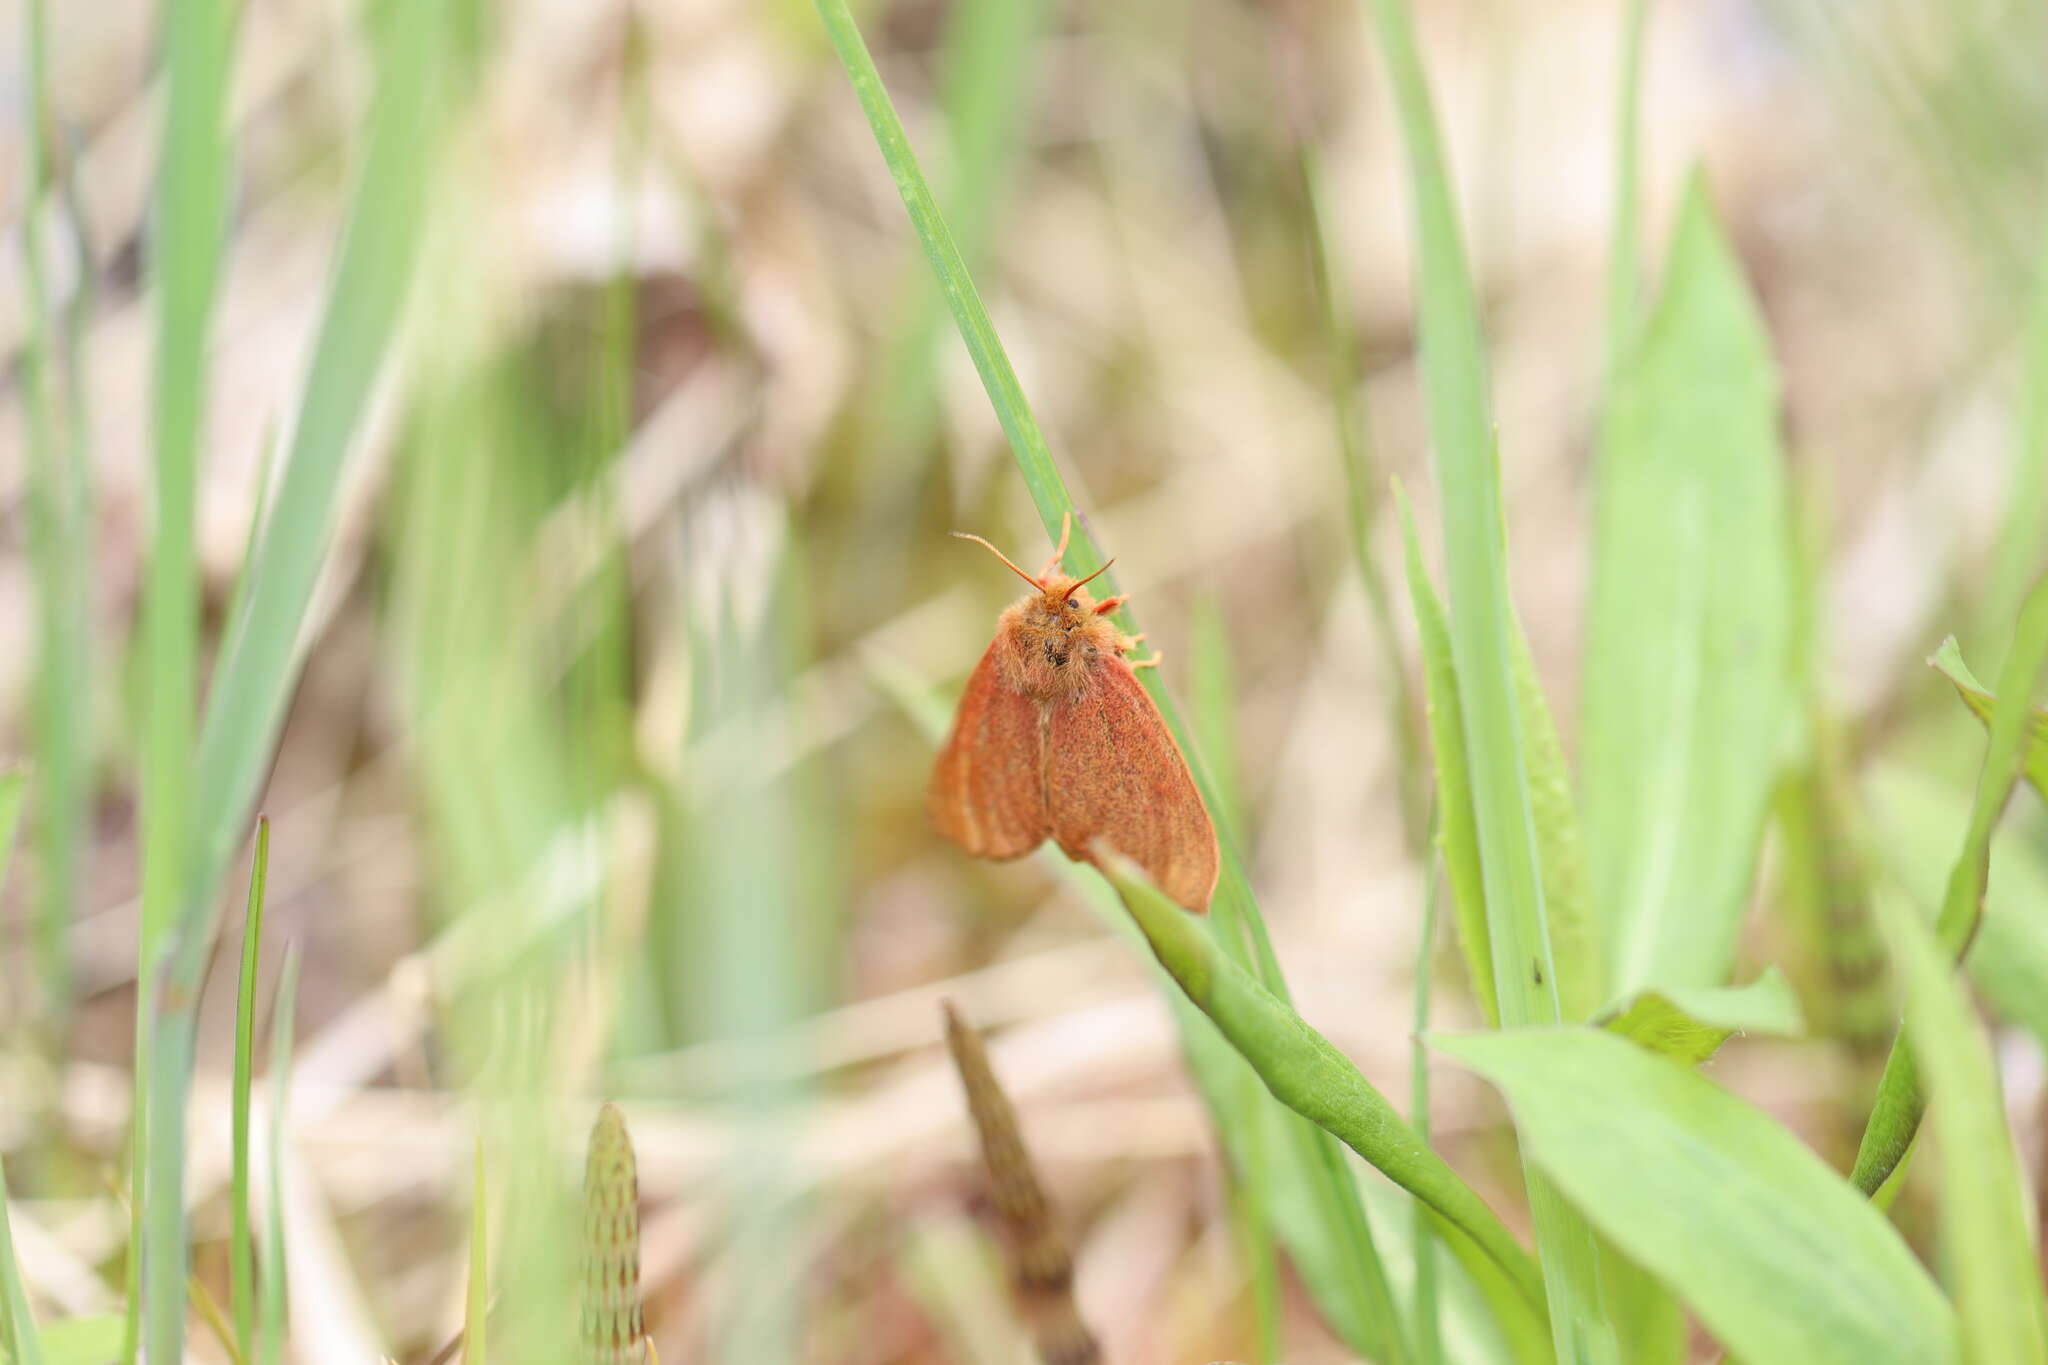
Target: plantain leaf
(1780, 1258)
(1688, 655)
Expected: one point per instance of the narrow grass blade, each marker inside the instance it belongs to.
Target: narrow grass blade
(1689, 1025)
(261, 645)
(985, 82)
(1895, 1114)
(270, 1320)
(1310, 1076)
(1775, 1253)
(1429, 1346)
(1625, 253)
(1567, 901)
(1362, 482)
(613, 1333)
(1989, 1250)
(23, 1341)
(190, 224)
(1457, 827)
(1034, 1244)
(1688, 685)
(1237, 923)
(1948, 661)
(476, 1299)
(1481, 632)
(12, 785)
(60, 547)
(241, 1246)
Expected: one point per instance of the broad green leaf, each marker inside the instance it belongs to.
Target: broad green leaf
(1780, 1258)
(1690, 1024)
(92, 1340)
(1990, 1253)
(1948, 660)
(1916, 822)
(1688, 653)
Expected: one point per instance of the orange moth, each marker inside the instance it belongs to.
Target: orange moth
(1055, 738)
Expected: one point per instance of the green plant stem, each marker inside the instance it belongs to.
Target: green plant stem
(1625, 254)
(1901, 1100)
(1428, 1330)
(270, 1322)
(241, 1251)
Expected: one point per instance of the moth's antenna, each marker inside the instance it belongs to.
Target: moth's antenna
(1089, 579)
(1005, 558)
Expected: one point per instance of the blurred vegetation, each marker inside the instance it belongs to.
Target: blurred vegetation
(508, 447)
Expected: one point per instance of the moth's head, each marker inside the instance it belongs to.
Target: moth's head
(1058, 595)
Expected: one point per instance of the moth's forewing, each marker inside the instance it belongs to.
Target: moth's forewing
(1114, 773)
(987, 791)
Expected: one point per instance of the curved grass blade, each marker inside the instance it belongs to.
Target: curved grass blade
(1310, 1076)
(1988, 1247)
(284, 1010)
(1780, 1258)
(1895, 1114)
(1948, 661)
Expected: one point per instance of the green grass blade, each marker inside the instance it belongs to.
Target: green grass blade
(60, 547)
(1989, 1248)
(1429, 1346)
(476, 1301)
(1235, 912)
(1895, 1114)
(253, 675)
(190, 224)
(1688, 686)
(984, 88)
(1775, 1253)
(241, 1247)
(1457, 828)
(1310, 1076)
(24, 1343)
(20, 1335)
(260, 648)
(1362, 482)
(1948, 660)
(1625, 255)
(1481, 635)
(270, 1320)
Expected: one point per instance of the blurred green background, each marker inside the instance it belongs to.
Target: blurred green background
(571, 381)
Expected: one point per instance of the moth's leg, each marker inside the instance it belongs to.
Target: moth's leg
(1060, 552)
(1110, 604)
